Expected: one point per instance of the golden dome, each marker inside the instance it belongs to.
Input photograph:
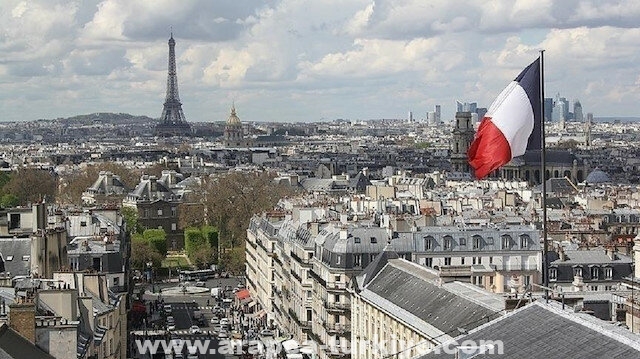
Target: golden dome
(233, 119)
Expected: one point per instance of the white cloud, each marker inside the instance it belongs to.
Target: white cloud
(291, 59)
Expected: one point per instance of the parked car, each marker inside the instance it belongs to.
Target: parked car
(215, 321)
(167, 308)
(266, 333)
(194, 329)
(201, 284)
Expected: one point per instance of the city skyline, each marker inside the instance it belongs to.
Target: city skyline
(294, 61)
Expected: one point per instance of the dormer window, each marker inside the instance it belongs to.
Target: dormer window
(428, 243)
(477, 242)
(553, 274)
(463, 242)
(608, 273)
(356, 239)
(595, 272)
(447, 243)
(506, 241)
(524, 241)
(577, 271)
(374, 240)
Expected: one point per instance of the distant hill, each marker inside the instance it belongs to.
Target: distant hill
(106, 118)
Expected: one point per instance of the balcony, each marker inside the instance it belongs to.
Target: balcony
(516, 267)
(336, 328)
(338, 306)
(303, 262)
(336, 286)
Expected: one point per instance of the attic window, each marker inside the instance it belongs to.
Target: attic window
(374, 240)
(83, 223)
(9, 258)
(26, 258)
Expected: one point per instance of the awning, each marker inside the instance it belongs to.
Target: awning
(242, 294)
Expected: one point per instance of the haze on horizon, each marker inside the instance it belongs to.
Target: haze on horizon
(292, 60)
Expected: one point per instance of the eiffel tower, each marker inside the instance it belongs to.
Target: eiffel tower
(172, 121)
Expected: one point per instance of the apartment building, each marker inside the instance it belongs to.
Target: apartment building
(299, 264)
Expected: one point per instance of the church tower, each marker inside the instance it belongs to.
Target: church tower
(463, 134)
(172, 121)
(233, 130)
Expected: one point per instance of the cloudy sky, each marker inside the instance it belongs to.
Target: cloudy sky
(310, 60)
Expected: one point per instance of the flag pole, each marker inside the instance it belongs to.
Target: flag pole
(543, 165)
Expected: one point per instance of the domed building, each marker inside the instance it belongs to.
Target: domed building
(233, 132)
(597, 176)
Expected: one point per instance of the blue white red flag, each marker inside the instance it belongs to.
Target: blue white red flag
(511, 126)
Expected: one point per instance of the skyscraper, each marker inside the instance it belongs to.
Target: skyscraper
(548, 108)
(172, 120)
(577, 111)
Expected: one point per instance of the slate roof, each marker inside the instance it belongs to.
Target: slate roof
(12, 251)
(15, 346)
(440, 307)
(544, 331)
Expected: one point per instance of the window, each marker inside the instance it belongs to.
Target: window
(608, 273)
(463, 241)
(357, 260)
(428, 262)
(490, 260)
(356, 240)
(477, 242)
(146, 213)
(374, 240)
(337, 278)
(336, 298)
(553, 273)
(447, 261)
(428, 243)
(372, 257)
(338, 259)
(577, 271)
(83, 223)
(462, 260)
(595, 272)
(506, 241)
(447, 243)
(159, 212)
(174, 211)
(524, 241)
(26, 258)
(9, 258)
(174, 226)
(527, 281)
(309, 294)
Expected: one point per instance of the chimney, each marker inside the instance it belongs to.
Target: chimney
(561, 254)
(611, 253)
(22, 319)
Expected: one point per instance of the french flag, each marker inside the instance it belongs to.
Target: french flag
(511, 126)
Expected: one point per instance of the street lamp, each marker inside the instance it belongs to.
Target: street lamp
(150, 275)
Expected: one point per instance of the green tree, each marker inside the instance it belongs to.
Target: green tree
(232, 260)
(157, 239)
(142, 253)
(8, 200)
(202, 257)
(194, 241)
(131, 218)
